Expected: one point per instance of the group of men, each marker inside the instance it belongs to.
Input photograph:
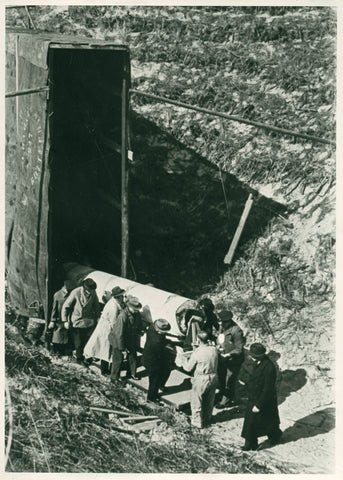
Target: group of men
(217, 361)
(75, 325)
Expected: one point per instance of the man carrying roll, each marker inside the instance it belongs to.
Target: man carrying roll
(204, 362)
(156, 359)
(230, 343)
(125, 338)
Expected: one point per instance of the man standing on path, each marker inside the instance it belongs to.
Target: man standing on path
(155, 357)
(82, 309)
(125, 337)
(262, 415)
(98, 346)
(231, 347)
(205, 361)
(60, 335)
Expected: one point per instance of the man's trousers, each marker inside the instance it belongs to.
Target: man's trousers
(202, 399)
(157, 379)
(81, 337)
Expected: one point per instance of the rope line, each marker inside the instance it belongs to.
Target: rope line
(236, 118)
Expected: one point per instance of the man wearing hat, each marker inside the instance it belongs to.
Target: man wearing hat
(60, 335)
(230, 343)
(262, 415)
(125, 338)
(204, 362)
(155, 357)
(98, 346)
(81, 309)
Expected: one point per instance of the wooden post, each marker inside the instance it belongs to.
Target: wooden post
(124, 177)
(229, 256)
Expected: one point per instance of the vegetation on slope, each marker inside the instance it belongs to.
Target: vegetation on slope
(270, 64)
(55, 431)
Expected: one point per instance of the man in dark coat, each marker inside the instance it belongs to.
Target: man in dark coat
(60, 335)
(125, 337)
(262, 415)
(230, 343)
(155, 357)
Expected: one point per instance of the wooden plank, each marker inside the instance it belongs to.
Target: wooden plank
(178, 393)
(144, 426)
(229, 256)
(109, 410)
(138, 418)
(124, 179)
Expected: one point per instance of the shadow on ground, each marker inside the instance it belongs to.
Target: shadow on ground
(288, 381)
(184, 213)
(317, 423)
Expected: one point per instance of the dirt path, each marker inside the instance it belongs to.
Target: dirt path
(308, 432)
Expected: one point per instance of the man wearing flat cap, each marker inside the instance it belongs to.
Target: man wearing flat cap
(125, 338)
(81, 309)
(230, 343)
(262, 415)
(98, 346)
(155, 357)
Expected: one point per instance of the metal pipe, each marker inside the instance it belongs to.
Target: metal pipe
(26, 92)
(235, 118)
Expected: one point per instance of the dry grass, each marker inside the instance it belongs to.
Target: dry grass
(55, 431)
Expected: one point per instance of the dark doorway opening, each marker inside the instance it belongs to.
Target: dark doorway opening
(85, 161)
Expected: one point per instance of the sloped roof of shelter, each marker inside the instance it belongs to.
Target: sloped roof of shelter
(33, 46)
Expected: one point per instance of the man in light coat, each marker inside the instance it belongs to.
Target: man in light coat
(81, 311)
(98, 346)
(205, 362)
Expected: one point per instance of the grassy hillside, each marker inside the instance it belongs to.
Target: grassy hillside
(274, 65)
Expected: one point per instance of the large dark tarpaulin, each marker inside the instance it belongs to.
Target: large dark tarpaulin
(28, 161)
(27, 173)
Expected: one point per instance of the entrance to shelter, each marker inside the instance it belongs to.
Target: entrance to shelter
(85, 159)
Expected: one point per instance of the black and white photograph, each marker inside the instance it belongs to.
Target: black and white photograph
(170, 238)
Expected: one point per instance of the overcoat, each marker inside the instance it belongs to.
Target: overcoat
(98, 346)
(155, 356)
(60, 334)
(126, 331)
(83, 311)
(234, 342)
(261, 392)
